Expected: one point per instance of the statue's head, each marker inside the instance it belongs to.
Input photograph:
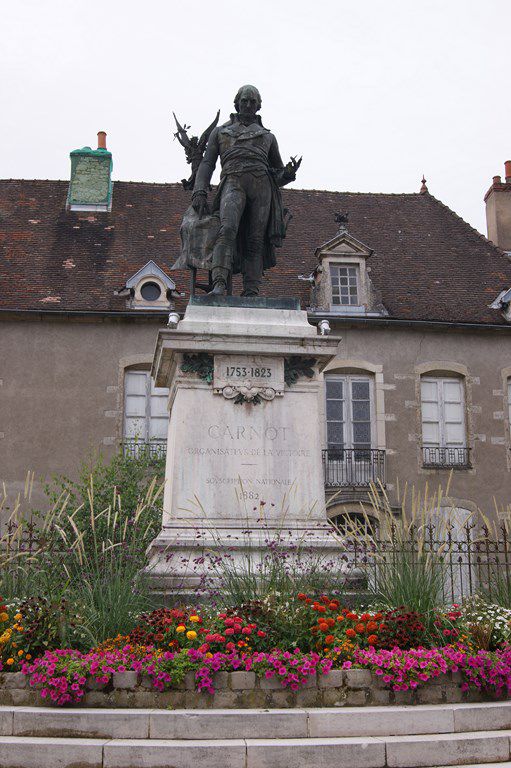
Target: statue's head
(248, 98)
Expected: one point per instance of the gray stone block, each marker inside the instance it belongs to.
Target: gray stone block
(26, 698)
(270, 684)
(220, 680)
(334, 679)
(283, 753)
(125, 680)
(14, 680)
(283, 698)
(334, 697)
(307, 697)
(82, 723)
(32, 752)
(429, 694)
(6, 721)
(242, 681)
(178, 754)
(490, 716)
(356, 698)
(357, 678)
(228, 724)
(447, 749)
(375, 721)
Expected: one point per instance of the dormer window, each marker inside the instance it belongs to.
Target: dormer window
(341, 282)
(149, 288)
(344, 280)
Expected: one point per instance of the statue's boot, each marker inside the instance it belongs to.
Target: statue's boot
(220, 276)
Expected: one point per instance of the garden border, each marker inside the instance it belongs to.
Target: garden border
(244, 690)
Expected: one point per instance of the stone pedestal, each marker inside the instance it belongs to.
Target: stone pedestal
(244, 441)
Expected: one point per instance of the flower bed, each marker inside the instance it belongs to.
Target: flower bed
(182, 658)
(145, 677)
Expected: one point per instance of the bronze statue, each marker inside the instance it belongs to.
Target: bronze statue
(247, 221)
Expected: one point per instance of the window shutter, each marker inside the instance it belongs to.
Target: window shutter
(443, 413)
(430, 412)
(135, 405)
(145, 408)
(335, 412)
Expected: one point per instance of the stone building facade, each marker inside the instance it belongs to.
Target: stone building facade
(420, 389)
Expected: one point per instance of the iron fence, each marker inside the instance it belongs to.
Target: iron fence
(353, 467)
(134, 448)
(471, 558)
(446, 458)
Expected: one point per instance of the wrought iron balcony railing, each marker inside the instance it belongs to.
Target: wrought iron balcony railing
(134, 447)
(353, 467)
(448, 458)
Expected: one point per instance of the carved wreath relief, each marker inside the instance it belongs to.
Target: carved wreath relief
(248, 378)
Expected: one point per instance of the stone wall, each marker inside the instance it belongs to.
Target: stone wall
(243, 690)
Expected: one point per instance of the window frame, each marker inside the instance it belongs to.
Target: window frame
(337, 266)
(145, 439)
(349, 379)
(449, 453)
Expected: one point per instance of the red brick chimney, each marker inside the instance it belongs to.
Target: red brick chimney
(498, 209)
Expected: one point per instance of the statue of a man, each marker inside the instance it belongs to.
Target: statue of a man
(248, 199)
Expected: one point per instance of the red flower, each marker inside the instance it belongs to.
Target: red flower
(329, 639)
(301, 596)
(351, 632)
(372, 639)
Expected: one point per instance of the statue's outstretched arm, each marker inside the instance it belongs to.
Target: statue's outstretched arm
(282, 174)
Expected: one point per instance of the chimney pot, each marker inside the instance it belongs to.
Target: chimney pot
(497, 180)
(101, 140)
(507, 166)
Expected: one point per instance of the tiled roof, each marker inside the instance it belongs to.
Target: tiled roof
(428, 263)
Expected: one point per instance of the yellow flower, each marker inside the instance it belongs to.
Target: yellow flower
(4, 616)
(17, 616)
(195, 619)
(28, 656)
(15, 645)
(10, 661)
(209, 655)
(191, 635)
(20, 653)
(181, 628)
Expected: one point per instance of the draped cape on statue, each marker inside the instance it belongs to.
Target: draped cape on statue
(198, 236)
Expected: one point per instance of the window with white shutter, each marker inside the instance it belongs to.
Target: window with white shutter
(145, 413)
(444, 440)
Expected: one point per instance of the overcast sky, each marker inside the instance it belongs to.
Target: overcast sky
(373, 93)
